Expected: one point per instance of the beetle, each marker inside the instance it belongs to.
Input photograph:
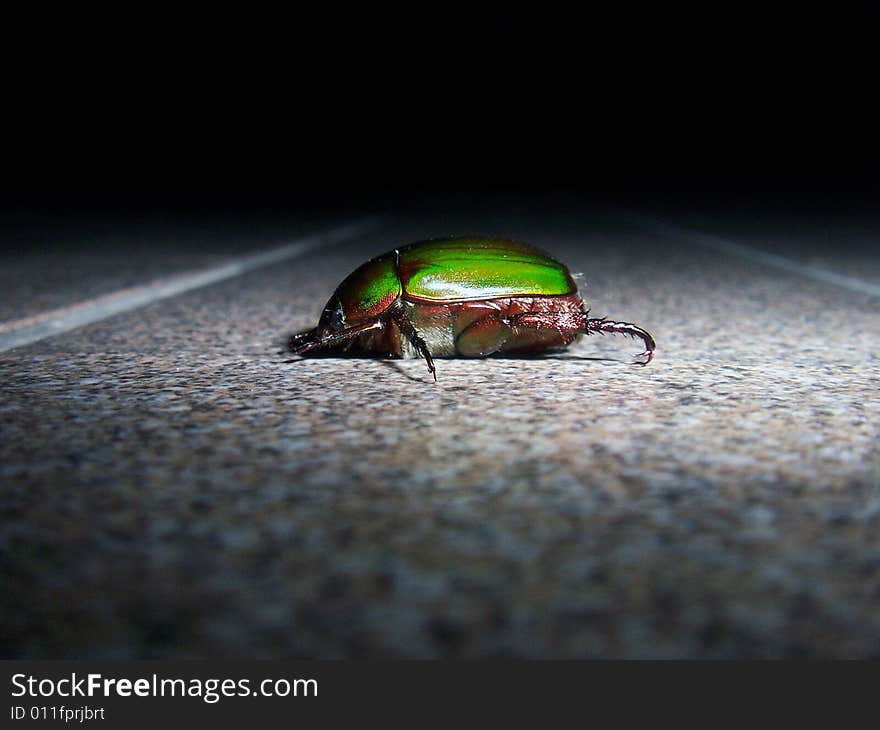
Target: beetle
(459, 297)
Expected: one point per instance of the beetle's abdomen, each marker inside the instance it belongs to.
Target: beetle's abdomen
(479, 336)
(474, 329)
(470, 269)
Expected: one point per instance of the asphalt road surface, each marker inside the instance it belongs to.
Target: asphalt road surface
(173, 485)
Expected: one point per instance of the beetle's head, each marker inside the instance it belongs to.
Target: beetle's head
(332, 318)
(356, 306)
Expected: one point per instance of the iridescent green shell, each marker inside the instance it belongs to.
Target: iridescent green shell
(461, 269)
(452, 270)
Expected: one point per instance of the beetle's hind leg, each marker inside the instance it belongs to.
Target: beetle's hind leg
(582, 322)
(406, 328)
(603, 326)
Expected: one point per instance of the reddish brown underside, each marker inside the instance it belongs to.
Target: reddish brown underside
(461, 315)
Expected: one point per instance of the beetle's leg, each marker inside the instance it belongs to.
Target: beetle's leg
(305, 341)
(581, 322)
(602, 325)
(295, 341)
(406, 327)
(483, 336)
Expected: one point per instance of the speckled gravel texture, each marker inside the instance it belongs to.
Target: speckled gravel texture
(175, 487)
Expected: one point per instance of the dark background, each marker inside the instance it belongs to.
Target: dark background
(715, 111)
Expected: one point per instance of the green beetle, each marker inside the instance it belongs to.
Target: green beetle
(468, 297)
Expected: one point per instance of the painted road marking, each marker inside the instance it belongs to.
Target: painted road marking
(47, 324)
(718, 243)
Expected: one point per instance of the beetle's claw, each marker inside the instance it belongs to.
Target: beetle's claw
(648, 355)
(603, 325)
(431, 369)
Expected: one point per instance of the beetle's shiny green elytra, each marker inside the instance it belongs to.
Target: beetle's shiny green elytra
(464, 269)
(453, 269)
(449, 297)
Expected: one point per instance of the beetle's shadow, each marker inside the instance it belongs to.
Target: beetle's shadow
(396, 363)
(552, 356)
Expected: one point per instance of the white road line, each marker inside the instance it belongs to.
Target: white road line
(46, 324)
(717, 243)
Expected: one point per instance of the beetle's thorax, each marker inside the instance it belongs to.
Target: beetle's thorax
(435, 324)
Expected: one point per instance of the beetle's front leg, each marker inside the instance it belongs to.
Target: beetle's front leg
(312, 339)
(406, 328)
